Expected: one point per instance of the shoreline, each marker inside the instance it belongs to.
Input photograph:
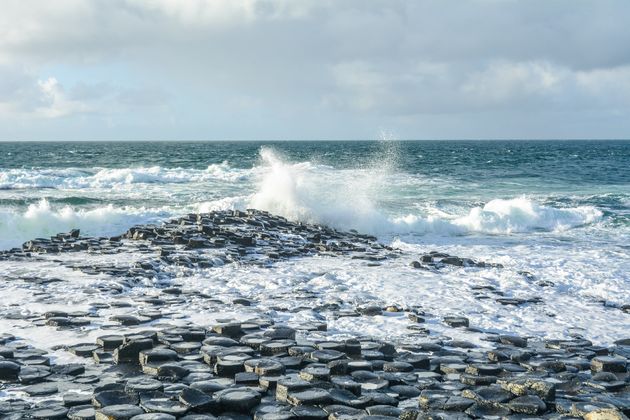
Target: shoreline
(440, 376)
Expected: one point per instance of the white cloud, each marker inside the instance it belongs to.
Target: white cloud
(350, 63)
(55, 102)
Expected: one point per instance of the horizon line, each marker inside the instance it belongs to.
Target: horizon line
(305, 140)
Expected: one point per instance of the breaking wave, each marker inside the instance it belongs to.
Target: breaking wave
(350, 200)
(41, 219)
(81, 178)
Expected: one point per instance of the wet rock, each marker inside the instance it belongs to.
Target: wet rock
(513, 340)
(239, 400)
(197, 400)
(528, 404)
(130, 352)
(487, 395)
(118, 412)
(9, 371)
(113, 397)
(487, 411)
(456, 321)
(45, 388)
(312, 396)
(81, 412)
(165, 406)
(608, 364)
(49, 412)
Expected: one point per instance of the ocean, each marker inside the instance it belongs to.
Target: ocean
(555, 214)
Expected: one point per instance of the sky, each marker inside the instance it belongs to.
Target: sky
(314, 69)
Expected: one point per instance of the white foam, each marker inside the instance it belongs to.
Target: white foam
(80, 178)
(503, 216)
(41, 219)
(348, 199)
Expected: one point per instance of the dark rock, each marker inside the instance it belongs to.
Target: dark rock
(164, 405)
(9, 371)
(81, 412)
(312, 396)
(113, 397)
(239, 400)
(528, 404)
(118, 412)
(129, 352)
(456, 321)
(608, 364)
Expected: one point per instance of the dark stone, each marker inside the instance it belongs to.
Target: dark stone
(113, 397)
(513, 340)
(9, 371)
(239, 400)
(118, 412)
(456, 321)
(164, 405)
(196, 400)
(608, 364)
(72, 399)
(487, 395)
(129, 352)
(45, 388)
(312, 396)
(143, 384)
(81, 412)
(527, 404)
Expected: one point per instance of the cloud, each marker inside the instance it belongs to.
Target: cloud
(311, 68)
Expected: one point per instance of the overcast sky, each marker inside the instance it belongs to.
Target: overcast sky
(320, 69)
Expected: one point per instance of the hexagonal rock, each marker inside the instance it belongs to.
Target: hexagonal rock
(239, 400)
(527, 404)
(164, 405)
(276, 347)
(118, 412)
(397, 367)
(264, 367)
(143, 384)
(608, 364)
(487, 395)
(130, 352)
(313, 396)
(513, 340)
(113, 397)
(315, 373)
(9, 371)
(288, 384)
(157, 355)
(456, 321)
(81, 412)
(196, 400)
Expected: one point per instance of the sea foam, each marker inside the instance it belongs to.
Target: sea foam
(41, 219)
(349, 199)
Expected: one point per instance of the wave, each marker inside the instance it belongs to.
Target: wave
(350, 200)
(503, 216)
(81, 178)
(41, 219)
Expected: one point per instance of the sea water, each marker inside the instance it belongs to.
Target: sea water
(558, 210)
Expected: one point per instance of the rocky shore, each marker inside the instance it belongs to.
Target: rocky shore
(146, 361)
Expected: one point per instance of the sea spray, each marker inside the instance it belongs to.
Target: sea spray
(314, 193)
(40, 219)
